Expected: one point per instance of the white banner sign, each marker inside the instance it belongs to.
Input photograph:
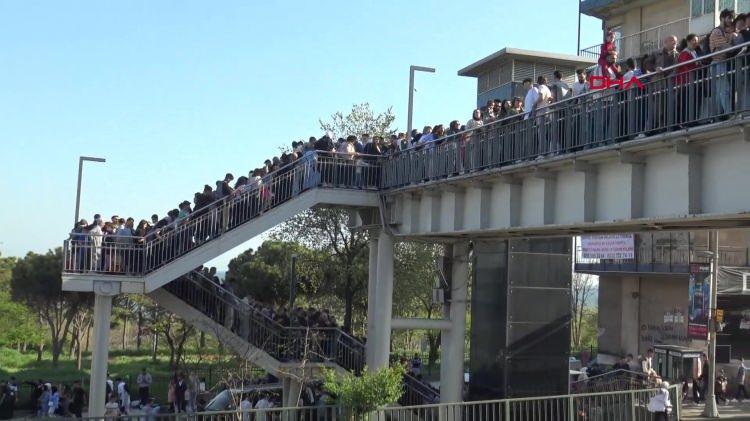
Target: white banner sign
(608, 246)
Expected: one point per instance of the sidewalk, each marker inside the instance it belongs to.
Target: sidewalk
(732, 411)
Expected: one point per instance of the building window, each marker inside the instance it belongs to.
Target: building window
(696, 8)
(705, 7)
(708, 6)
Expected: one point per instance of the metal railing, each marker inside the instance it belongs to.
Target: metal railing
(671, 100)
(613, 381)
(667, 101)
(663, 253)
(284, 343)
(609, 406)
(111, 254)
(646, 41)
(417, 392)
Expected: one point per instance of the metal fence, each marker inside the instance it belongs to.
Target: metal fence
(609, 406)
(671, 100)
(646, 41)
(115, 255)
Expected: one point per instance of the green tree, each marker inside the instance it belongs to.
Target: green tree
(37, 282)
(264, 273)
(173, 330)
(360, 120)
(582, 289)
(341, 253)
(368, 392)
(414, 279)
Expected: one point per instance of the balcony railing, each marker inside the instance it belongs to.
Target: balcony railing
(662, 254)
(646, 41)
(667, 101)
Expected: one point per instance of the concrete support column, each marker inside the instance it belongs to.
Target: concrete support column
(381, 343)
(372, 283)
(290, 392)
(452, 377)
(100, 355)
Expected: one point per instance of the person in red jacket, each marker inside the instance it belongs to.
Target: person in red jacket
(608, 48)
(688, 100)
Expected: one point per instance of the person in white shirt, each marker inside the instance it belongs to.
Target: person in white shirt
(581, 85)
(476, 120)
(538, 99)
(263, 404)
(124, 395)
(560, 88)
(245, 406)
(660, 404)
(532, 95)
(144, 384)
(96, 236)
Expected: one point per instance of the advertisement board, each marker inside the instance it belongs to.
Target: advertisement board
(608, 246)
(700, 299)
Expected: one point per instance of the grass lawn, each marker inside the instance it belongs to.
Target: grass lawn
(210, 364)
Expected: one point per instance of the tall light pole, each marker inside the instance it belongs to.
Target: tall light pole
(413, 69)
(711, 410)
(80, 175)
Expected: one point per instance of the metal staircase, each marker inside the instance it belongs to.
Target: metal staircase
(147, 263)
(253, 335)
(266, 343)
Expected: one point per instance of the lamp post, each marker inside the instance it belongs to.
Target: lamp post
(711, 410)
(80, 175)
(413, 69)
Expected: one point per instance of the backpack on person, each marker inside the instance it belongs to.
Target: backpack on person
(706, 44)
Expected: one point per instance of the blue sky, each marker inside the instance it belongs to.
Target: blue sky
(176, 93)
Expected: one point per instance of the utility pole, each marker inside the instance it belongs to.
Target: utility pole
(711, 410)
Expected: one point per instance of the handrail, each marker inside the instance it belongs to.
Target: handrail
(455, 136)
(617, 372)
(254, 314)
(211, 221)
(653, 28)
(270, 175)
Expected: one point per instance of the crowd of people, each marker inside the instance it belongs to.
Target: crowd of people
(643, 371)
(113, 246)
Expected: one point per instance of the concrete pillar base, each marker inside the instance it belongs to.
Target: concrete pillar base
(103, 294)
(452, 375)
(381, 342)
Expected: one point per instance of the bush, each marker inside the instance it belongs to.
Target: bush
(368, 392)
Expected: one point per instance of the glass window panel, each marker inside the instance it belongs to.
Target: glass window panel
(696, 8)
(726, 4)
(708, 6)
(743, 6)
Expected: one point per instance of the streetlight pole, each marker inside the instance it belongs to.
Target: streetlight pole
(80, 175)
(711, 410)
(413, 69)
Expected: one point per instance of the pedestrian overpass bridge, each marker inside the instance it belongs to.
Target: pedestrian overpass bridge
(601, 163)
